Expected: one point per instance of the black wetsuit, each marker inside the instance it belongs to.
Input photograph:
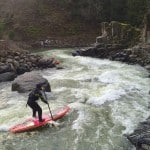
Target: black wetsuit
(33, 97)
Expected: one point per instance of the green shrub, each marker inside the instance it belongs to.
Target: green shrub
(33, 31)
(2, 28)
(11, 35)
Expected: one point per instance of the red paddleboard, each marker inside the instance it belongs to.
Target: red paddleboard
(33, 123)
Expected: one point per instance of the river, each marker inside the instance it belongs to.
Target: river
(107, 99)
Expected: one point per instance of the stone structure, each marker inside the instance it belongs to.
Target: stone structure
(146, 30)
(118, 33)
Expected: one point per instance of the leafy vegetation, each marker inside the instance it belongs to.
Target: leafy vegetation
(129, 11)
(36, 18)
(11, 35)
(136, 11)
(2, 28)
(33, 31)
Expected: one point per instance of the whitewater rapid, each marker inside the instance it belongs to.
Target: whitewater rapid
(107, 100)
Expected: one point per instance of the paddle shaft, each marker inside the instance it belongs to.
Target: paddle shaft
(45, 97)
(50, 111)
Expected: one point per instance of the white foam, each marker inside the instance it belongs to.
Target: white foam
(78, 124)
(108, 95)
(128, 115)
(4, 128)
(60, 89)
(92, 62)
(93, 81)
(109, 77)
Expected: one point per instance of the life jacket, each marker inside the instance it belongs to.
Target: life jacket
(34, 95)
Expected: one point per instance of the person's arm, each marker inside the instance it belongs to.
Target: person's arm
(43, 97)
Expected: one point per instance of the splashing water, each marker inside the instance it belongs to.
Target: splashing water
(107, 98)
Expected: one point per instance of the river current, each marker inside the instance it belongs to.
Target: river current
(108, 99)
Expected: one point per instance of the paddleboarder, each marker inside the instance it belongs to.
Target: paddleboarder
(34, 95)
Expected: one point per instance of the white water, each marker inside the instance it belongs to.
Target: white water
(107, 98)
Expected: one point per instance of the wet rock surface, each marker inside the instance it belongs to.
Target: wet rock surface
(14, 63)
(135, 55)
(28, 81)
(141, 136)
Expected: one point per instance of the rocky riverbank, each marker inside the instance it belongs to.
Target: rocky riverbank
(14, 63)
(115, 44)
(138, 54)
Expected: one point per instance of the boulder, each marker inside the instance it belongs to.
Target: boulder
(147, 67)
(22, 69)
(28, 81)
(5, 68)
(7, 76)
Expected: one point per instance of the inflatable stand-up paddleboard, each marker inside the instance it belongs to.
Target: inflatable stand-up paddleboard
(33, 123)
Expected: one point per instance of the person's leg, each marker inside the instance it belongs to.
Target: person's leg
(34, 113)
(38, 108)
(33, 107)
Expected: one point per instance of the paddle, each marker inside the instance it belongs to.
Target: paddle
(50, 111)
(52, 122)
(45, 97)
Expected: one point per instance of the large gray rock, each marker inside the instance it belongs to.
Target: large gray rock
(28, 81)
(7, 76)
(5, 68)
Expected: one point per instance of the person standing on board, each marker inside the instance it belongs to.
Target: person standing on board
(34, 95)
